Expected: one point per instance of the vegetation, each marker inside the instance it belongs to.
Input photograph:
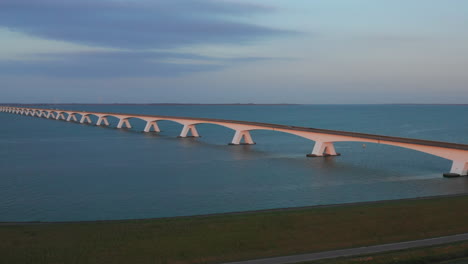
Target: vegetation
(229, 237)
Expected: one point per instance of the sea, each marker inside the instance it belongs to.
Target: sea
(64, 171)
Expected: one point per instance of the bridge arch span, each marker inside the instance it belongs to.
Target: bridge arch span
(323, 138)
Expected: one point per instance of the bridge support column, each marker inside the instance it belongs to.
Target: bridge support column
(242, 134)
(60, 116)
(70, 117)
(323, 149)
(189, 128)
(151, 124)
(459, 168)
(50, 115)
(85, 118)
(122, 122)
(102, 119)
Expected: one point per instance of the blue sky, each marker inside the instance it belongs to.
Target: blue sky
(227, 51)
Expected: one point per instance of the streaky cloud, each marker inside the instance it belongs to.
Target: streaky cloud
(136, 24)
(115, 64)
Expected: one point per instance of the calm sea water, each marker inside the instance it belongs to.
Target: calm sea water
(58, 171)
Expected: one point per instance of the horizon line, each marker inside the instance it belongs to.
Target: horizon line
(232, 104)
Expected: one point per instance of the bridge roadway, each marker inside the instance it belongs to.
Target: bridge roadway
(324, 138)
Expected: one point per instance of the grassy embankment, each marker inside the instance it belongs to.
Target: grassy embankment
(218, 238)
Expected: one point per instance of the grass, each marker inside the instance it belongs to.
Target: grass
(218, 238)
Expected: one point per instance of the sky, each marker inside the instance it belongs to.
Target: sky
(234, 51)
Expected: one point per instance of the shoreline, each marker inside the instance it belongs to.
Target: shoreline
(249, 212)
(227, 104)
(231, 237)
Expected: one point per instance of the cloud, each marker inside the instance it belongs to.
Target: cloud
(135, 24)
(110, 64)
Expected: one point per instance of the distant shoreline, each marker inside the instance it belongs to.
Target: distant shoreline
(213, 104)
(141, 104)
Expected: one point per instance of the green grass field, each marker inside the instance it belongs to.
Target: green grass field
(218, 238)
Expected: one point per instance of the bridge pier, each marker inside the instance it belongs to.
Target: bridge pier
(50, 115)
(459, 168)
(70, 117)
(189, 128)
(122, 122)
(323, 149)
(85, 118)
(60, 116)
(102, 119)
(151, 124)
(242, 134)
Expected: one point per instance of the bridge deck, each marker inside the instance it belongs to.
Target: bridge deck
(293, 128)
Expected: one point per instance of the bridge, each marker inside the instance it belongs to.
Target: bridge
(323, 138)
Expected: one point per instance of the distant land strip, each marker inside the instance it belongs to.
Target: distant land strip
(241, 104)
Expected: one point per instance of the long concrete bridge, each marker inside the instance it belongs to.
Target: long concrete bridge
(324, 139)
